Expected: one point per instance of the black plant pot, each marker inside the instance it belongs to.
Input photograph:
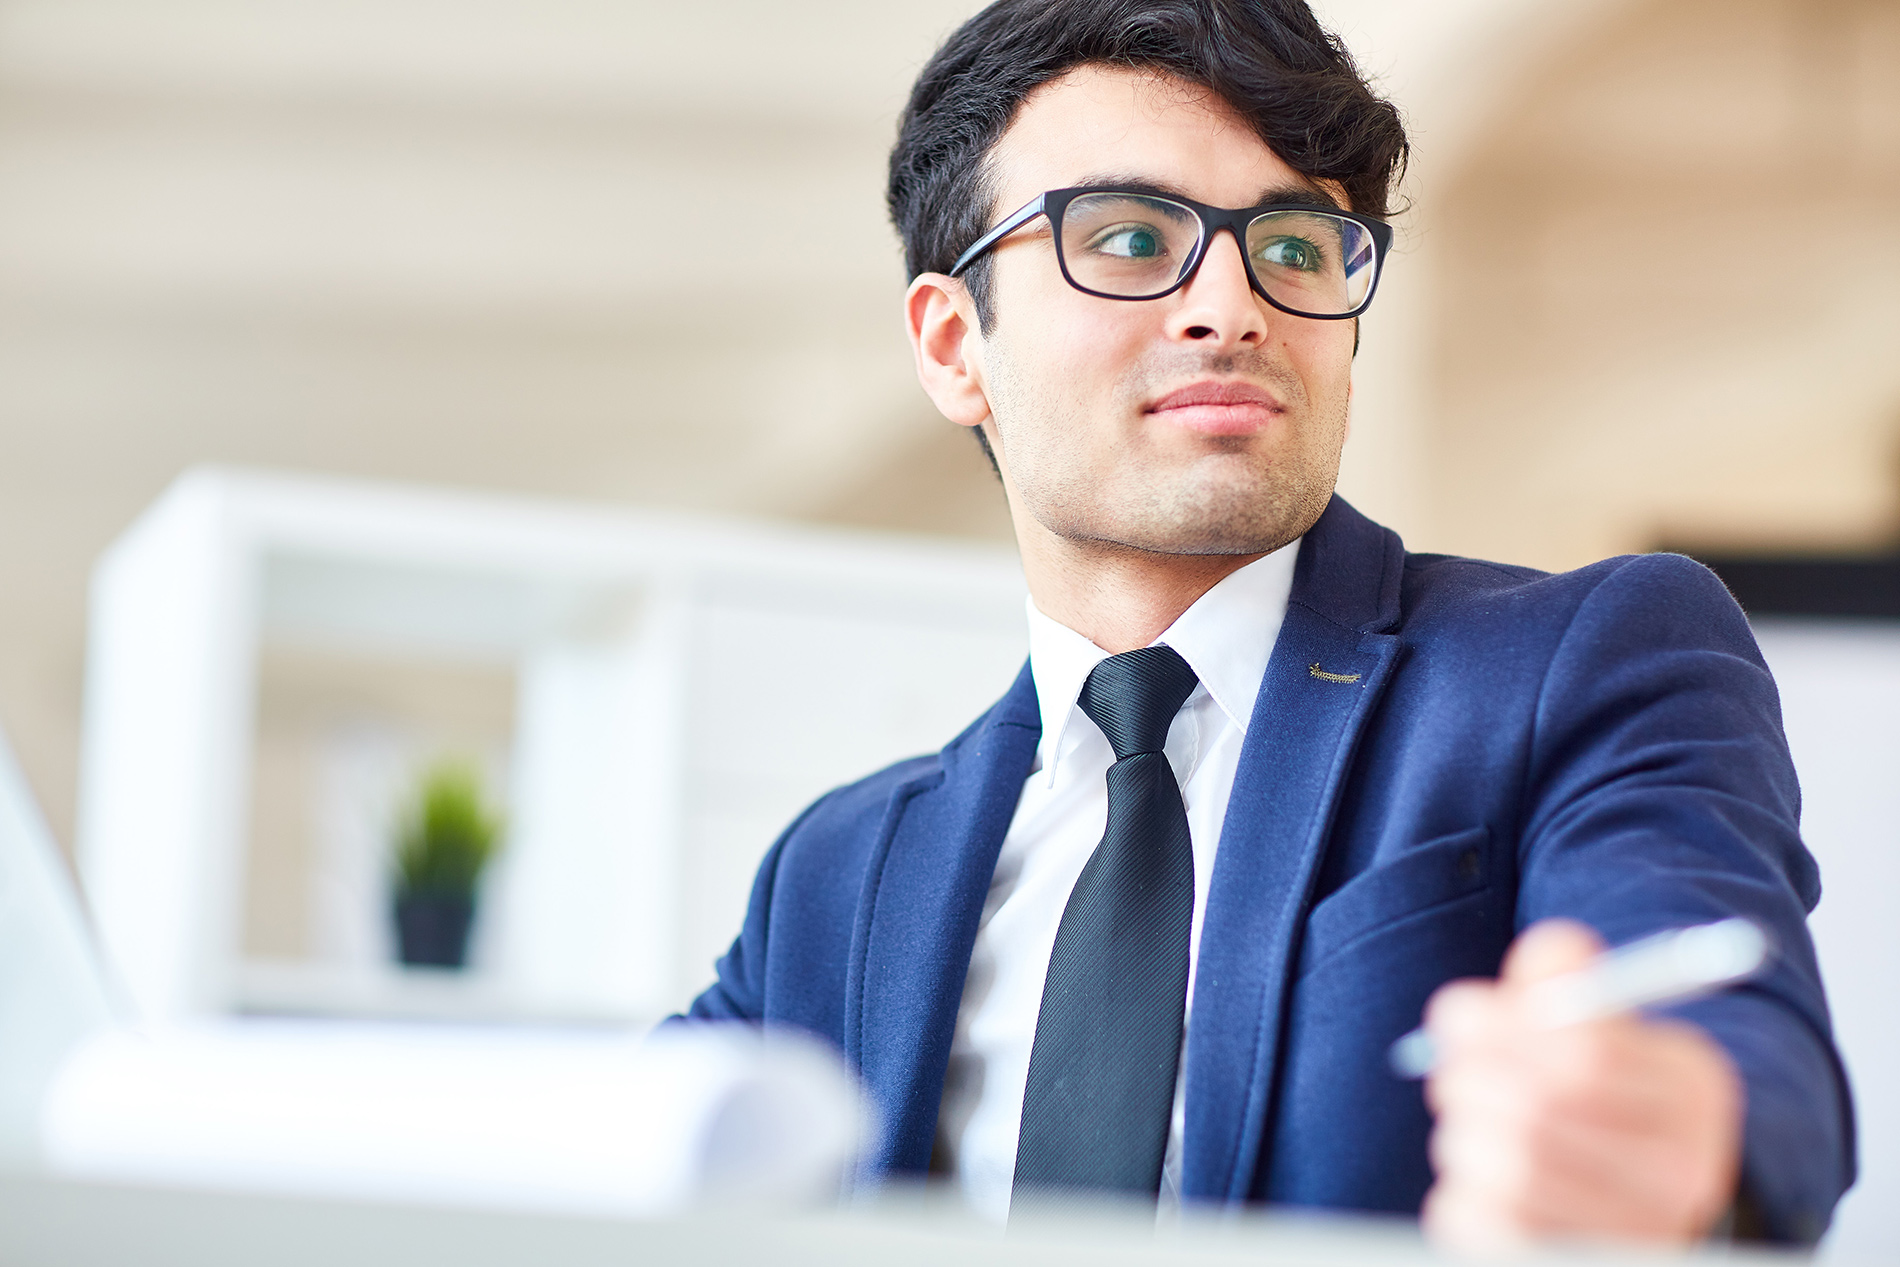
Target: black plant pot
(432, 928)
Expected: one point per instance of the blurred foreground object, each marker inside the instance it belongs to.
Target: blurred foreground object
(445, 842)
(53, 992)
(64, 1224)
(595, 1121)
(530, 1120)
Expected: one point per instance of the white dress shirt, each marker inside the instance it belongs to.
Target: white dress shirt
(1226, 637)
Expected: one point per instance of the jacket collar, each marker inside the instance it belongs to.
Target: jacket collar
(917, 918)
(1323, 682)
(1350, 570)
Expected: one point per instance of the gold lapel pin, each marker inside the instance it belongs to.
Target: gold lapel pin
(1324, 676)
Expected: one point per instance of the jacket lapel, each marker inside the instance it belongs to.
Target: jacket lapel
(1324, 680)
(917, 918)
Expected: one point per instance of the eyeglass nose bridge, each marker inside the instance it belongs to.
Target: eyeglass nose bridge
(1211, 225)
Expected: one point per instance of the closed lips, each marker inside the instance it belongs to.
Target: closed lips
(1218, 408)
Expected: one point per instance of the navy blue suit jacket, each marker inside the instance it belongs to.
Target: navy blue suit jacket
(1442, 752)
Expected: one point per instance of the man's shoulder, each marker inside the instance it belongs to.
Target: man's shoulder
(851, 809)
(1497, 628)
(1357, 574)
(1449, 588)
(848, 817)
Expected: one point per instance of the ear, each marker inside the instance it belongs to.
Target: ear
(941, 321)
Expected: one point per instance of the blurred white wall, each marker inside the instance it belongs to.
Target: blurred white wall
(1840, 692)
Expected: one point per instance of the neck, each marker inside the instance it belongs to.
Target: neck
(1117, 597)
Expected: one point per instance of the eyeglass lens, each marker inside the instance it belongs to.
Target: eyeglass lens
(1135, 247)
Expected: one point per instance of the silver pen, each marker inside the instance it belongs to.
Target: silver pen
(1671, 967)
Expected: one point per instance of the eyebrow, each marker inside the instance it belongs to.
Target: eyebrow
(1286, 195)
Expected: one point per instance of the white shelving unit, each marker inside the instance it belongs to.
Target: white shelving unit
(683, 687)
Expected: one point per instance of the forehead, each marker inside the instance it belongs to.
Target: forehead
(1139, 125)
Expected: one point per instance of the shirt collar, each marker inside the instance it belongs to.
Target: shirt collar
(1226, 637)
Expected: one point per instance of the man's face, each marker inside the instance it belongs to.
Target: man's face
(1203, 422)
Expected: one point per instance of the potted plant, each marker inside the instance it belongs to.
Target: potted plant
(445, 839)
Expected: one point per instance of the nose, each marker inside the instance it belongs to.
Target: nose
(1218, 308)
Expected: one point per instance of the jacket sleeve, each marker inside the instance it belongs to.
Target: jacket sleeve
(738, 991)
(1661, 793)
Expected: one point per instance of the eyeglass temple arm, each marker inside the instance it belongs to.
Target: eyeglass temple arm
(1023, 215)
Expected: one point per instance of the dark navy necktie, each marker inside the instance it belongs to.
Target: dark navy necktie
(1108, 1038)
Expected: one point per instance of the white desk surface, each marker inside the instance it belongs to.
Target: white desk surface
(50, 1223)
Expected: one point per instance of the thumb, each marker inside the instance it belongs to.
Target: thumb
(1549, 948)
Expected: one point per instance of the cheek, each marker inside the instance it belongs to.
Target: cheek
(1093, 354)
(1070, 352)
(1321, 356)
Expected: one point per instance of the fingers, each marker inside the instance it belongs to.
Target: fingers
(1615, 1152)
(1568, 1185)
(1624, 1128)
(1572, 1069)
(1550, 948)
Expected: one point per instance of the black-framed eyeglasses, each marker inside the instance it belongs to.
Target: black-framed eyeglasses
(1133, 244)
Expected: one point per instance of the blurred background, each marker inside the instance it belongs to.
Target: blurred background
(634, 254)
(636, 251)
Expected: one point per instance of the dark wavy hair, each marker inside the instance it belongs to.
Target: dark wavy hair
(1270, 60)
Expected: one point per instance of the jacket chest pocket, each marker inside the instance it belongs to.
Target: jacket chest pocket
(1389, 895)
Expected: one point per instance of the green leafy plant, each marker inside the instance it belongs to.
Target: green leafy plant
(447, 835)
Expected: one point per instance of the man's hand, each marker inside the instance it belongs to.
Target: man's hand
(1621, 1129)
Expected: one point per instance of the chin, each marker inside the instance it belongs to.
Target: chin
(1224, 521)
(1229, 517)
(1221, 506)
(1212, 539)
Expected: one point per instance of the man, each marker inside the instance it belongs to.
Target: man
(1268, 782)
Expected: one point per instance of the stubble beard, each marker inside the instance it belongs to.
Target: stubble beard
(1240, 496)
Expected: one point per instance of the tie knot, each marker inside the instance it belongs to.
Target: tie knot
(1134, 696)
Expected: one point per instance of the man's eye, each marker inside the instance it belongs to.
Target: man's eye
(1135, 242)
(1294, 253)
